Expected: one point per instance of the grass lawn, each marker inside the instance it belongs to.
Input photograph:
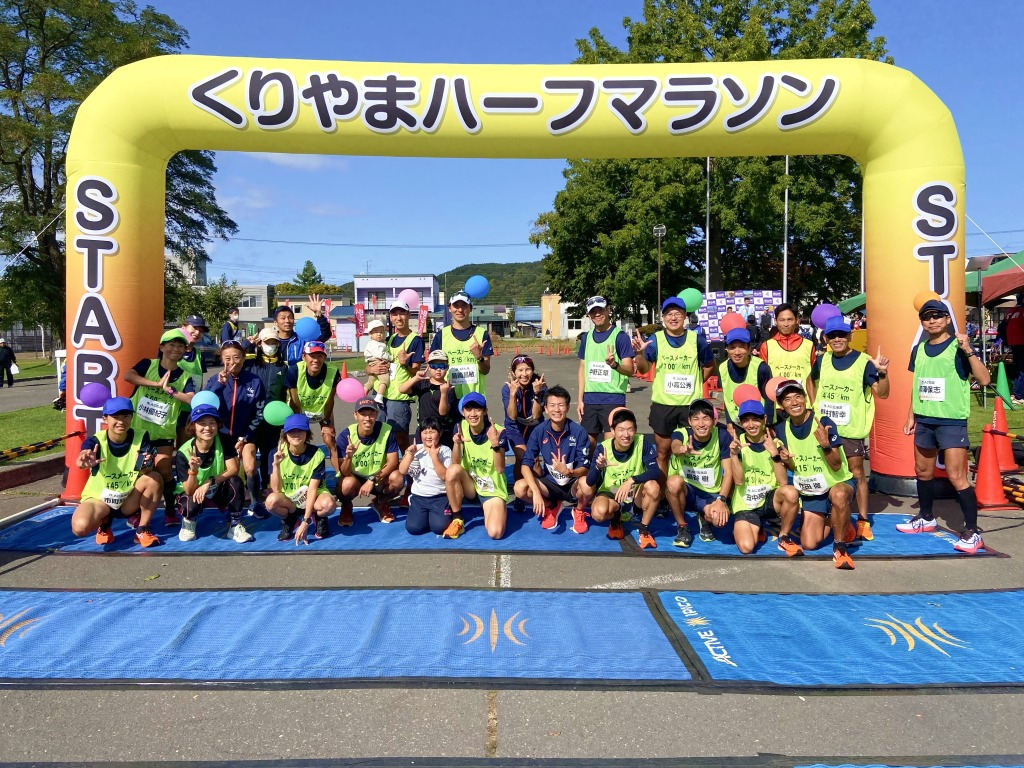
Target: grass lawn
(31, 367)
(982, 416)
(31, 425)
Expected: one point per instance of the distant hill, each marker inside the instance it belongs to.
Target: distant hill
(519, 284)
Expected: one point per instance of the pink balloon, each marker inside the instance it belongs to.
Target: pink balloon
(410, 297)
(350, 389)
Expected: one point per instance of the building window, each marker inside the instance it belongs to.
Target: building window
(251, 302)
(575, 325)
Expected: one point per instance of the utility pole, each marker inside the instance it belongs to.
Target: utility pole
(659, 232)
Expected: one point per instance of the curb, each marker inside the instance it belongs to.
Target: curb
(34, 378)
(30, 472)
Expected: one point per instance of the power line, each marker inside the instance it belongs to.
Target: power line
(410, 246)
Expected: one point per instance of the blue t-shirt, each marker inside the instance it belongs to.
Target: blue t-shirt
(623, 348)
(524, 403)
(963, 370)
(572, 442)
(704, 354)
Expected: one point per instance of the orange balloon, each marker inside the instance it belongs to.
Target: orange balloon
(772, 386)
(924, 296)
(731, 321)
(745, 392)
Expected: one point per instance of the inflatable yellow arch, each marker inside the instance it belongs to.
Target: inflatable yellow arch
(126, 131)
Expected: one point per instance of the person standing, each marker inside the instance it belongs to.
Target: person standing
(939, 407)
(788, 353)
(284, 320)
(271, 368)
(231, 331)
(847, 382)
(193, 329)
(740, 367)
(1013, 335)
(606, 363)
(311, 385)
(468, 348)
(7, 360)
(407, 349)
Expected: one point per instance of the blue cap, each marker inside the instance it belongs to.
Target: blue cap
(297, 421)
(116, 405)
(738, 334)
(472, 398)
(313, 346)
(203, 410)
(836, 324)
(751, 408)
(673, 301)
(933, 306)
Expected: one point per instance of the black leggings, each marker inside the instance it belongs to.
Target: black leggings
(266, 438)
(228, 495)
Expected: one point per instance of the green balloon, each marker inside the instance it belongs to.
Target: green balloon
(692, 298)
(276, 412)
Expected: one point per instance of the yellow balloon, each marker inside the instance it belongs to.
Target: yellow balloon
(924, 296)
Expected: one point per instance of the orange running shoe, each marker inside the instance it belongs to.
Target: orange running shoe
(842, 559)
(850, 535)
(790, 547)
(145, 538)
(104, 535)
(579, 521)
(549, 519)
(646, 540)
(383, 509)
(455, 529)
(615, 531)
(864, 530)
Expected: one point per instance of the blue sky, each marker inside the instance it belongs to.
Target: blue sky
(968, 53)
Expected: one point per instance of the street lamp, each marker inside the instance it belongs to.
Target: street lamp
(659, 232)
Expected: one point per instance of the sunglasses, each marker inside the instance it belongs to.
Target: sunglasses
(932, 316)
(438, 366)
(836, 335)
(232, 344)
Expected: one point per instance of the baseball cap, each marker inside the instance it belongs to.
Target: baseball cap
(834, 324)
(174, 334)
(472, 398)
(738, 334)
(313, 346)
(673, 301)
(366, 403)
(203, 410)
(751, 408)
(700, 405)
(282, 308)
(932, 305)
(116, 405)
(297, 421)
(3, 340)
(374, 325)
(197, 321)
(269, 334)
(398, 304)
(438, 356)
(460, 296)
(596, 302)
(788, 385)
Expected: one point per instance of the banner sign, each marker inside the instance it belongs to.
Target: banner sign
(360, 315)
(745, 302)
(421, 324)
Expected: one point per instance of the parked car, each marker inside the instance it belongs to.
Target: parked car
(209, 349)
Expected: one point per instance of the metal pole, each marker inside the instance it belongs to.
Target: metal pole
(707, 234)
(785, 240)
(659, 232)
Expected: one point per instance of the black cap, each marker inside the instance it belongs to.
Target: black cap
(933, 305)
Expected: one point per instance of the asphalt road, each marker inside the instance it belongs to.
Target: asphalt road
(27, 394)
(148, 724)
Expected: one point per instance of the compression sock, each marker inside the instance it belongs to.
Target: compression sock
(926, 495)
(969, 507)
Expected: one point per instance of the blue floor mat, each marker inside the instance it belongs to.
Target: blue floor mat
(328, 635)
(51, 531)
(904, 765)
(888, 542)
(855, 640)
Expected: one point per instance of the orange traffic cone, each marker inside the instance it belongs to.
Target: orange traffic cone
(549, 350)
(1004, 446)
(517, 350)
(344, 370)
(989, 483)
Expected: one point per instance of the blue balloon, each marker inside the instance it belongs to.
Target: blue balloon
(477, 287)
(205, 398)
(307, 329)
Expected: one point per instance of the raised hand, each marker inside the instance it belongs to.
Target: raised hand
(965, 343)
(350, 449)
(475, 348)
(601, 462)
(493, 434)
(821, 434)
(639, 344)
(278, 456)
(539, 384)
(558, 462)
(609, 357)
(194, 461)
(881, 362)
(314, 304)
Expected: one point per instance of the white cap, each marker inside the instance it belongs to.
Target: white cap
(399, 304)
(374, 325)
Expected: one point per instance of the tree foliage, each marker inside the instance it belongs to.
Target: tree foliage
(515, 284)
(53, 53)
(211, 301)
(600, 233)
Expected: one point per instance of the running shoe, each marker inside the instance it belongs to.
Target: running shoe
(790, 547)
(259, 511)
(518, 505)
(579, 521)
(455, 529)
(323, 528)
(345, 518)
(646, 540)
(104, 535)
(238, 533)
(550, 518)
(615, 531)
(969, 543)
(188, 530)
(683, 537)
(864, 530)
(762, 536)
(851, 534)
(145, 538)
(287, 528)
(383, 509)
(133, 521)
(918, 524)
(663, 510)
(626, 512)
(171, 519)
(842, 559)
(707, 531)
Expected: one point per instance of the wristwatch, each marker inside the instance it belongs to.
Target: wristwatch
(307, 520)
(722, 499)
(777, 459)
(883, 375)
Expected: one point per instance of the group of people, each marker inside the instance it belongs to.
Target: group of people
(795, 460)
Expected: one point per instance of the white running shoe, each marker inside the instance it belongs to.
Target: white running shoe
(240, 534)
(918, 524)
(188, 529)
(969, 543)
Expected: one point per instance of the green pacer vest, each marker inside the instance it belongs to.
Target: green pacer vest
(478, 461)
(812, 476)
(463, 369)
(217, 466)
(729, 387)
(938, 390)
(758, 479)
(314, 401)
(116, 477)
(791, 365)
(399, 373)
(369, 459)
(677, 375)
(842, 397)
(598, 376)
(295, 478)
(616, 473)
(194, 368)
(702, 470)
(157, 412)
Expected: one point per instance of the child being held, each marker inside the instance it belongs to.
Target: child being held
(377, 351)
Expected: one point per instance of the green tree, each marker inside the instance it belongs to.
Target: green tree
(53, 53)
(308, 277)
(599, 235)
(211, 301)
